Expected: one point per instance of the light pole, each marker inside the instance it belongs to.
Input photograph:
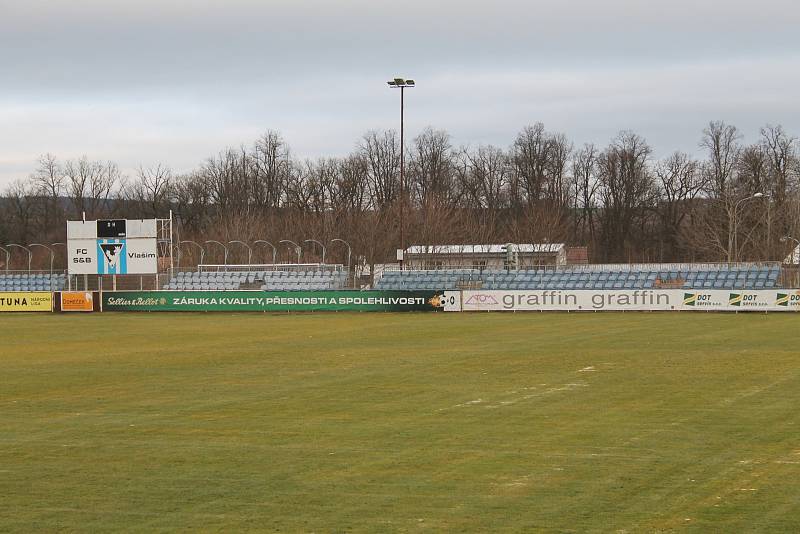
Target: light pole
(225, 255)
(8, 257)
(54, 245)
(297, 248)
(274, 250)
(320, 244)
(198, 245)
(249, 251)
(337, 240)
(402, 84)
(30, 254)
(736, 223)
(51, 260)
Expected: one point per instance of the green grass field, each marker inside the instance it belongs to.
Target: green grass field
(400, 422)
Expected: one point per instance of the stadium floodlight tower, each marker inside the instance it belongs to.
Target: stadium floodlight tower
(320, 244)
(297, 248)
(249, 251)
(26, 249)
(736, 222)
(224, 248)
(198, 245)
(402, 84)
(274, 250)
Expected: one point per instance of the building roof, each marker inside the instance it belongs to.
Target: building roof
(552, 248)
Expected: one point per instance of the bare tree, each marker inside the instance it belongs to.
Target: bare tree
(149, 195)
(90, 185)
(381, 152)
(431, 167)
(585, 185)
(626, 192)
(484, 175)
(679, 183)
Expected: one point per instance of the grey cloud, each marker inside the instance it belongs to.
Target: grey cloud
(175, 81)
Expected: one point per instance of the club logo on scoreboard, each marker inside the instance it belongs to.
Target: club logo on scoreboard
(112, 257)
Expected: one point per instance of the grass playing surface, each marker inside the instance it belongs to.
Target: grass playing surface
(400, 422)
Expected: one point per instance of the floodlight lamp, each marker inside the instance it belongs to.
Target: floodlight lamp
(399, 81)
(410, 83)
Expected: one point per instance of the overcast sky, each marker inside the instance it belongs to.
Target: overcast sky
(144, 82)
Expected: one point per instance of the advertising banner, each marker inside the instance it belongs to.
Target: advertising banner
(279, 300)
(77, 301)
(26, 302)
(631, 300)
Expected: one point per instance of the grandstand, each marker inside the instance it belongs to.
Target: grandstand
(29, 281)
(292, 277)
(313, 277)
(593, 277)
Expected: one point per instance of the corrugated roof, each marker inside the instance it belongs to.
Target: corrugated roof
(552, 248)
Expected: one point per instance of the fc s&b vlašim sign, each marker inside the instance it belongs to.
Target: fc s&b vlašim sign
(112, 247)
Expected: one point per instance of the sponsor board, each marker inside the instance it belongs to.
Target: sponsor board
(789, 299)
(280, 301)
(630, 300)
(26, 302)
(77, 301)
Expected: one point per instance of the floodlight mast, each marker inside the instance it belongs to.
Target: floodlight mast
(402, 84)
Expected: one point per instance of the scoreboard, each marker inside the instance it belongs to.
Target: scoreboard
(111, 229)
(112, 246)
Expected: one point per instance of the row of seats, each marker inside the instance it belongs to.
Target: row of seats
(268, 280)
(735, 277)
(32, 282)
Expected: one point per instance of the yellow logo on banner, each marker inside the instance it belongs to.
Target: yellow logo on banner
(21, 302)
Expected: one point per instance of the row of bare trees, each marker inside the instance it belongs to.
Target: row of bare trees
(618, 200)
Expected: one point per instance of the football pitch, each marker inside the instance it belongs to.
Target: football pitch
(634, 422)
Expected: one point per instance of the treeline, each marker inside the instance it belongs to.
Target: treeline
(618, 200)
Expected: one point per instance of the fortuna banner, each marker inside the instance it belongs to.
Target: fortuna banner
(25, 302)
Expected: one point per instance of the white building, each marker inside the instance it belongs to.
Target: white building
(522, 256)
